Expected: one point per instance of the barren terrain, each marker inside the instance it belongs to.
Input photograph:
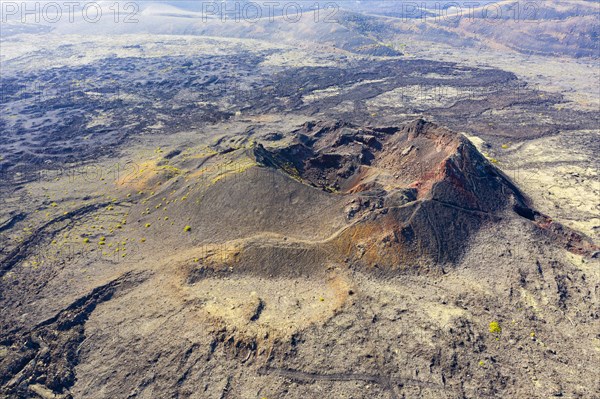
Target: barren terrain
(204, 209)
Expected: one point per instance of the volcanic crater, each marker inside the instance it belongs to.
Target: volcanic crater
(414, 193)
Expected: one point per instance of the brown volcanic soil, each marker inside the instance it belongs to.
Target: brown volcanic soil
(417, 192)
(341, 261)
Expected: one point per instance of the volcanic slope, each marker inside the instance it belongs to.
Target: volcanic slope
(330, 194)
(391, 198)
(411, 196)
(256, 249)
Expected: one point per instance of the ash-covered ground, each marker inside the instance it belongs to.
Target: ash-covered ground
(374, 206)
